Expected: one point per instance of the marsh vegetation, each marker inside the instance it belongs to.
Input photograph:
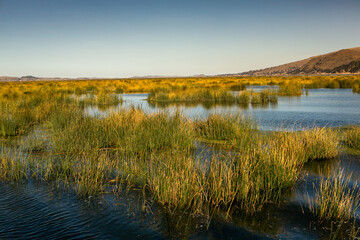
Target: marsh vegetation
(48, 138)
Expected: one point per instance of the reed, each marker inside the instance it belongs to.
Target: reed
(177, 181)
(264, 97)
(101, 99)
(15, 90)
(13, 168)
(290, 89)
(154, 152)
(334, 199)
(352, 137)
(255, 98)
(237, 87)
(196, 95)
(91, 174)
(243, 98)
(320, 143)
(128, 131)
(356, 88)
(251, 180)
(220, 126)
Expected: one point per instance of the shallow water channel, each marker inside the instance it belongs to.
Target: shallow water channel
(36, 210)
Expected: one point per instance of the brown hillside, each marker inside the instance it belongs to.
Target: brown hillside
(327, 63)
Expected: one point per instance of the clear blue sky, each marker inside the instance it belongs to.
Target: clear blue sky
(108, 38)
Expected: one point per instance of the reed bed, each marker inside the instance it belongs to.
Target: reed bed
(12, 90)
(18, 117)
(196, 95)
(290, 89)
(100, 99)
(222, 126)
(155, 152)
(129, 131)
(213, 96)
(234, 129)
(264, 97)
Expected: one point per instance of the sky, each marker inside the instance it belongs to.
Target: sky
(108, 38)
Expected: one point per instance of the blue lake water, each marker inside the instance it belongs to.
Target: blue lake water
(320, 107)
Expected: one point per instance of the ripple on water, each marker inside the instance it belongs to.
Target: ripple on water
(36, 211)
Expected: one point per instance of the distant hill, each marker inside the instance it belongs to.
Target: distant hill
(30, 78)
(23, 78)
(339, 62)
(8, 79)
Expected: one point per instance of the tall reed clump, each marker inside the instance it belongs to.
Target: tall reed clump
(250, 180)
(88, 174)
(17, 120)
(177, 181)
(130, 131)
(356, 88)
(335, 199)
(20, 115)
(180, 181)
(268, 95)
(162, 131)
(91, 173)
(290, 89)
(266, 169)
(101, 99)
(320, 143)
(292, 143)
(243, 98)
(237, 87)
(227, 127)
(13, 168)
(195, 95)
(352, 137)
(264, 97)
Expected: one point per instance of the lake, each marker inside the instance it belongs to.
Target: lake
(321, 107)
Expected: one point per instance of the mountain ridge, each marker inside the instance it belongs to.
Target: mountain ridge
(338, 62)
